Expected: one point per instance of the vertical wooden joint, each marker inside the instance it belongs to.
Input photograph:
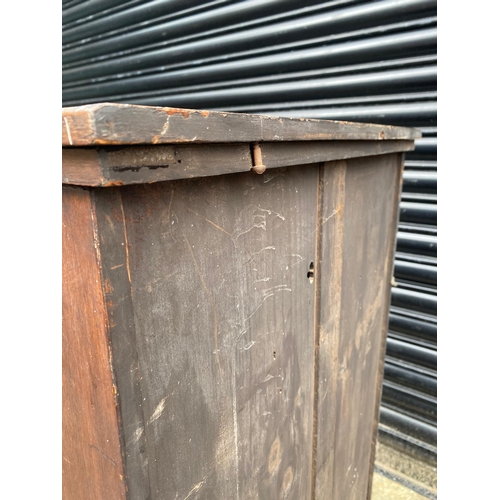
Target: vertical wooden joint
(257, 166)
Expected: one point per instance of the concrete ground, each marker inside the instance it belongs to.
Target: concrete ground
(384, 488)
(397, 476)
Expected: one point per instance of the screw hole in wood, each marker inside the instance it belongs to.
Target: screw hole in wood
(310, 274)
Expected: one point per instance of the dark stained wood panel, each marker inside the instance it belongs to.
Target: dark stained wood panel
(119, 302)
(278, 154)
(114, 124)
(331, 227)
(358, 225)
(115, 166)
(223, 331)
(147, 164)
(92, 462)
(221, 337)
(389, 270)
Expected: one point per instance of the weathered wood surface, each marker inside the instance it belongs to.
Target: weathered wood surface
(128, 372)
(389, 273)
(246, 313)
(278, 154)
(115, 124)
(358, 227)
(147, 164)
(81, 167)
(92, 462)
(212, 327)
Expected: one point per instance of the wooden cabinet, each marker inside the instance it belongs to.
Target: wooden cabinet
(224, 329)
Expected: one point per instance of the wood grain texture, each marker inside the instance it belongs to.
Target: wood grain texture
(279, 154)
(330, 286)
(127, 370)
(389, 270)
(92, 463)
(81, 167)
(114, 166)
(219, 332)
(359, 225)
(114, 124)
(77, 124)
(147, 164)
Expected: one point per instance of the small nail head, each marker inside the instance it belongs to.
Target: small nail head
(259, 169)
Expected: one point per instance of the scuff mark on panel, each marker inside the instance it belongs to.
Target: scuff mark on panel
(127, 261)
(137, 434)
(262, 279)
(68, 131)
(254, 255)
(248, 346)
(102, 454)
(335, 212)
(158, 410)
(269, 292)
(209, 221)
(271, 212)
(247, 221)
(196, 487)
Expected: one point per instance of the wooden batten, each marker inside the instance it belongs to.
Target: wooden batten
(125, 124)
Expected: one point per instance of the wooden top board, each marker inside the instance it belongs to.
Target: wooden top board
(127, 124)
